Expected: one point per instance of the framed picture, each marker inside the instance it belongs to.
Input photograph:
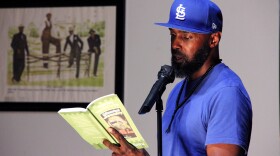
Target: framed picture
(60, 54)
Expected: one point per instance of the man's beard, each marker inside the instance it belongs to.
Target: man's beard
(186, 67)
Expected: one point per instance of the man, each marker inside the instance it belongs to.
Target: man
(48, 39)
(76, 45)
(20, 47)
(209, 112)
(94, 44)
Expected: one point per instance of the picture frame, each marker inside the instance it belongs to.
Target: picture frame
(60, 84)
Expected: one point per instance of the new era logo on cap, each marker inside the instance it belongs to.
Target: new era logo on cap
(214, 26)
(198, 16)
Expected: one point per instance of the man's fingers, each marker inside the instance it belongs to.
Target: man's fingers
(112, 147)
(124, 147)
(123, 142)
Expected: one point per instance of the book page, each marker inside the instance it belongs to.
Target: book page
(110, 112)
(86, 126)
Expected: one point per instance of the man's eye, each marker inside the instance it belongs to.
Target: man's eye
(187, 37)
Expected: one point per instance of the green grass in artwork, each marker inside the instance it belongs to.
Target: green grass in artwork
(85, 82)
(48, 77)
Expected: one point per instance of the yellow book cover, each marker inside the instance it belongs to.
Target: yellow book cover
(107, 111)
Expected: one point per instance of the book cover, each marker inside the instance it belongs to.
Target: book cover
(107, 111)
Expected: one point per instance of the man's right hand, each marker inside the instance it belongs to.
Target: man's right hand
(124, 148)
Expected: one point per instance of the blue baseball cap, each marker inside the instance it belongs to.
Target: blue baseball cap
(197, 16)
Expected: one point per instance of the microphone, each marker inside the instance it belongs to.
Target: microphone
(165, 75)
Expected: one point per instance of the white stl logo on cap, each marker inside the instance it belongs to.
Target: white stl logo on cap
(180, 15)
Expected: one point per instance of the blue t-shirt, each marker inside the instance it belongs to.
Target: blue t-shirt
(219, 111)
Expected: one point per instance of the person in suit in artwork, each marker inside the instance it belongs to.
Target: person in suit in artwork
(94, 44)
(20, 47)
(76, 45)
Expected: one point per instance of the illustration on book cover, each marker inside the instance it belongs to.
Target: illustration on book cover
(116, 119)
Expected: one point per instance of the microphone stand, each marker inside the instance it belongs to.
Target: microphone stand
(159, 108)
(166, 75)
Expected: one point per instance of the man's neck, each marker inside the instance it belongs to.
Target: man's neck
(204, 68)
(213, 59)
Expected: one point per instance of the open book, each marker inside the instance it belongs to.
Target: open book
(107, 111)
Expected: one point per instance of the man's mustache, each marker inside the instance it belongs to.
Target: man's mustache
(177, 53)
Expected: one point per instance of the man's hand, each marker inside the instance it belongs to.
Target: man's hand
(124, 148)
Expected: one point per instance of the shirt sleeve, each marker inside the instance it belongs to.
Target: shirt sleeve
(230, 118)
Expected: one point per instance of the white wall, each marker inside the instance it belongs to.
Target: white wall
(250, 46)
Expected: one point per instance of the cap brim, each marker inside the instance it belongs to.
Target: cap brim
(173, 26)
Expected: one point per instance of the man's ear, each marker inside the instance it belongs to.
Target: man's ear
(215, 39)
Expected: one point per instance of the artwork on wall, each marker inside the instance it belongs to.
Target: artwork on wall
(58, 55)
